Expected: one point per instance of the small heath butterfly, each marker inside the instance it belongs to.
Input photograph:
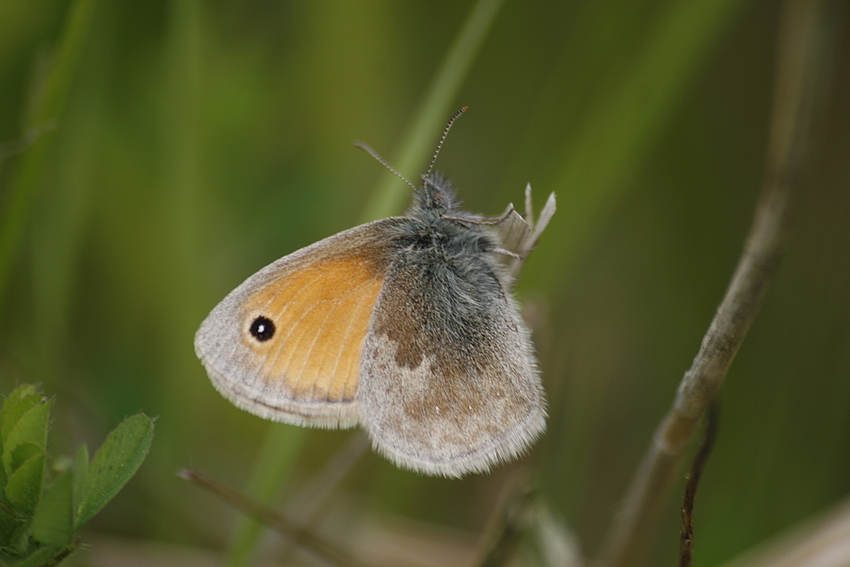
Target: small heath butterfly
(405, 326)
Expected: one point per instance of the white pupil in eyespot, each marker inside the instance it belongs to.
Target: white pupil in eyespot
(262, 329)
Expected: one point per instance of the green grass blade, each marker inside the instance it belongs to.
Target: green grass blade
(272, 469)
(48, 112)
(436, 108)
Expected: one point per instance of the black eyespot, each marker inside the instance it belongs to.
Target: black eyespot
(262, 329)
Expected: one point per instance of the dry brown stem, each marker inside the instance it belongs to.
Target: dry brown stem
(804, 53)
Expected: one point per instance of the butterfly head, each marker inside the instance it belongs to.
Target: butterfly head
(436, 194)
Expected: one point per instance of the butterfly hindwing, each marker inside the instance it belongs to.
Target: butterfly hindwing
(450, 384)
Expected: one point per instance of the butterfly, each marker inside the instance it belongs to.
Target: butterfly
(405, 326)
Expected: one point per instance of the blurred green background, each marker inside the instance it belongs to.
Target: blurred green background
(155, 154)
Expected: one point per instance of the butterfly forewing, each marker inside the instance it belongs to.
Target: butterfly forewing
(286, 344)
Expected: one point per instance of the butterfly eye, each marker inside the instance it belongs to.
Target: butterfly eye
(262, 329)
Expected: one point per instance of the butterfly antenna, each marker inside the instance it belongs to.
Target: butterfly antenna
(383, 162)
(443, 139)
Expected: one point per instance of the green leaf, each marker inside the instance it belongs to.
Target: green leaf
(114, 464)
(30, 427)
(39, 557)
(21, 453)
(3, 475)
(14, 409)
(10, 413)
(11, 526)
(24, 486)
(21, 391)
(18, 540)
(51, 523)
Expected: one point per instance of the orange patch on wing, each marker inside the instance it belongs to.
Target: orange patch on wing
(321, 314)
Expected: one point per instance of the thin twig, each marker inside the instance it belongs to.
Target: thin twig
(301, 537)
(513, 528)
(803, 71)
(686, 548)
(508, 521)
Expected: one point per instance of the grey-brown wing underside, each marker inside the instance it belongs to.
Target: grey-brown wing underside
(449, 380)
